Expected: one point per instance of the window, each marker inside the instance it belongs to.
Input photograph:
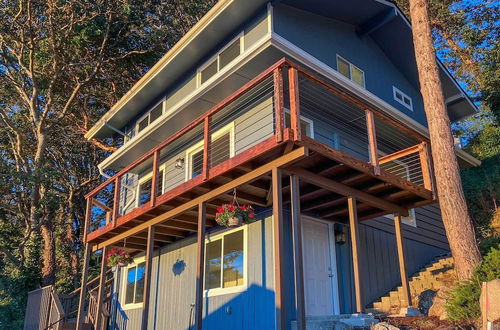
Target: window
(134, 285)
(221, 59)
(149, 117)
(225, 262)
(306, 124)
(402, 98)
(222, 149)
(144, 186)
(350, 71)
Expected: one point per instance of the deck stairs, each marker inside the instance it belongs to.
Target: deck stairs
(433, 276)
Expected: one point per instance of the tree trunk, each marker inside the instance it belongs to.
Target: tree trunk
(457, 222)
(49, 256)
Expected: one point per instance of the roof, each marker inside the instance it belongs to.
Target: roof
(381, 19)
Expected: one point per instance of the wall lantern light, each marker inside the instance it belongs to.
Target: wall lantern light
(179, 163)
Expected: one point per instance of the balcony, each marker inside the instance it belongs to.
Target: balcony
(286, 117)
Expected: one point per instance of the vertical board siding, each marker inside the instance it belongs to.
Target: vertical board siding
(173, 288)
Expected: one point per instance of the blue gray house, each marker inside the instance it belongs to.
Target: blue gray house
(308, 111)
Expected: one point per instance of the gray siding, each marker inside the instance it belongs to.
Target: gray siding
(173, 288)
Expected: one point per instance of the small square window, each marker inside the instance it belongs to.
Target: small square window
(229, 54)
(402, 98)
(358, 76)
(143, 124)
(208, 71)
(196, 162)
(156, 112)
(350, 71)
(343, 67)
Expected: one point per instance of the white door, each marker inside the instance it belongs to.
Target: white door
(320, 273)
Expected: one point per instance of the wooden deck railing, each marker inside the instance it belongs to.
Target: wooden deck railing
(109, 205)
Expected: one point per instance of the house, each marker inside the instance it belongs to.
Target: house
(310, 112)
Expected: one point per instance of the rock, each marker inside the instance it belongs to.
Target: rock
(490, 296)
(383, 326)
(438, 304)
(425, 301)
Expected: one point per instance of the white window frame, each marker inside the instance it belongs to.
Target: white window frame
(163, 110)
(233, 289)
(240, 36)
(403, 95)
(350, 70)
(199, 146)
(148, 176)
(307, 120)
(125, 306)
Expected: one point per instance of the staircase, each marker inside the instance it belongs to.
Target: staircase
(438, 274)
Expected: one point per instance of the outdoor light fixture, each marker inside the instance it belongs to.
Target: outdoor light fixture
(179, 163)
(340, 237)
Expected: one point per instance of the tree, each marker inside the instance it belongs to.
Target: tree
(456, 219)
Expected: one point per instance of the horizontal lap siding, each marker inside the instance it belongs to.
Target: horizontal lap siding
(173, 288)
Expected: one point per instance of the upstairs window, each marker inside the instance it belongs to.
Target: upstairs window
(402, 98)
(350, 71)
(134, 285)
(221, 60)
(149, 117)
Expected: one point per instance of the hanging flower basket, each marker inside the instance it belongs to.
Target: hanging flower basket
(233, 215)
(117, 257)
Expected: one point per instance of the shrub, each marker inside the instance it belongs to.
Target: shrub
(463, 302)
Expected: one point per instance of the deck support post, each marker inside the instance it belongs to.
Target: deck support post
(102, 290)
(372, 141)
(200, 264)
(279, 103)
(354, 228)
(293, 77)
(155, 179)
(278, 248)
(402, 261)
(83, 287)
(297, 252)
(147, 277)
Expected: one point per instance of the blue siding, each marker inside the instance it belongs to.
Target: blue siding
(324, 38)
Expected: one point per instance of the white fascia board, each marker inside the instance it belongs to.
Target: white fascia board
(303, 57)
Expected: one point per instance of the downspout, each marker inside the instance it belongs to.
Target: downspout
(132, 189)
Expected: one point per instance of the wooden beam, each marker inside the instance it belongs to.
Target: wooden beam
(345, 190)
(402, 262)
(399, 154)
(101, 290)
(297, 252)
(372, 141)
(83, 287)
(101, 205)
(147, 277)
(425, 165)
(354, 228)
(293, 78)
(155, 178)
(279, 103)
(116, 200)
(279, 252)
(200, 265)
(289, 158)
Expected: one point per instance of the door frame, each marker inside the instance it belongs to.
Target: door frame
(333, 260)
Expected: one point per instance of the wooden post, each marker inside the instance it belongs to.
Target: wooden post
(200, 265)
(279, 107)
(101, 291)
(372, 141)
(278, 248)
(116, 199)
(297, 252)
(83, 287)
(147, 276)
(206, 147)
(354, 228)
(293, 77)
(155, 178)
(425, 166)
(402, 262)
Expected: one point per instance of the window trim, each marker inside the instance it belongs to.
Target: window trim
(125, 306)
(395, 90)
(145, 178)
(163, 111)
(350, 71)
(215, 57)
(306, 119)
(234, 289)
(200, 145)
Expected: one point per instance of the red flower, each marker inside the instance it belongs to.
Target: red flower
(251, 215)
(220, 209)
